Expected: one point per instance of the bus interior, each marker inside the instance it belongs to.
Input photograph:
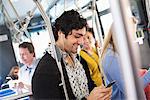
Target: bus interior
(31, 21)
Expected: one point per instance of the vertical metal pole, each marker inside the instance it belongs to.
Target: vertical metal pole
(14, 10)
(7, 16)
(96, 23)
(99, 29)
(147, 2)
(129, 60)
(48, 24)
(96, 26)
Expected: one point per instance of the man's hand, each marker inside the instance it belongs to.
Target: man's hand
(20, 85)
(100, 93)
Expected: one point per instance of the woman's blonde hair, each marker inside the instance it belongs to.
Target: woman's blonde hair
(12, 69)
(108, 40)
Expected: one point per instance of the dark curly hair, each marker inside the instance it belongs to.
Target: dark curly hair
(68, 21)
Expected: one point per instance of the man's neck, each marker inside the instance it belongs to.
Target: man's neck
(29, 64)
(60, 45)
(71, 55)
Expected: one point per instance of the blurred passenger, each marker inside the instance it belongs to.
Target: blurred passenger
(112, 67)
(69, 30)
(90, 58)
(13, 74)
(27, 55)
(141, 73)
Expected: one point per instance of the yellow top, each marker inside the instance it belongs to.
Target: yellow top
(92, 61)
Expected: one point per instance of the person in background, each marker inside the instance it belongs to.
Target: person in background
(89, 56)
(11, 77)
(69, 30)
(27, 54)
(13, 74)
(141, 73)
(112, 67)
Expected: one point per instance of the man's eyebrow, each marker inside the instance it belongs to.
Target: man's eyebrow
(79, 34)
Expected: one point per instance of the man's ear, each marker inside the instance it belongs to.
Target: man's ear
(60, 34)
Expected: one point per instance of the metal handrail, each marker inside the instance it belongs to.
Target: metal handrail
(48, 24)
(121, 12)
(95, 22)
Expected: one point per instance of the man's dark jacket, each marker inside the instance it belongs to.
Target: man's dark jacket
(47, 79)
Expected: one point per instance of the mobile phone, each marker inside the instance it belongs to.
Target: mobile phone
(110, 84)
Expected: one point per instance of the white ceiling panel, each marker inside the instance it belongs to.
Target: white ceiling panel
(24, 6)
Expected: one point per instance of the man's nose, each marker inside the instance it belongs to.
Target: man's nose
(80, 41)
(21, 56)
